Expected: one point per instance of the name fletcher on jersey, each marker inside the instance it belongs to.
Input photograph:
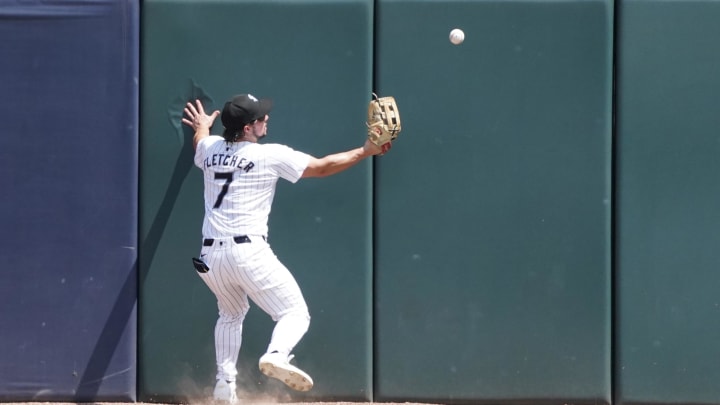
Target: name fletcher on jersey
(221, 159)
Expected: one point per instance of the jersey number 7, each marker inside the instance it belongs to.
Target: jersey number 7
(228, 179)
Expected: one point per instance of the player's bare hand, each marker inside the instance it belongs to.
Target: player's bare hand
(196, 117)
(372, 149)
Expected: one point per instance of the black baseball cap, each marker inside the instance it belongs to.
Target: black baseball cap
(242, 110)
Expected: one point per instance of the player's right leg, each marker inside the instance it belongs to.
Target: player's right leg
(273, 288)
(285, 304)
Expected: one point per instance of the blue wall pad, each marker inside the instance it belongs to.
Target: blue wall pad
(68, 171)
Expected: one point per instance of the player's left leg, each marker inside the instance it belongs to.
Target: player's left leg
(233, 306)
(228, 339)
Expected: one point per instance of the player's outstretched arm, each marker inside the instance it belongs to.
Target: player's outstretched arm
(337, 162)
(199, 121)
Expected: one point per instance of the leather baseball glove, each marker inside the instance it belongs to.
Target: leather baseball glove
(383, 121)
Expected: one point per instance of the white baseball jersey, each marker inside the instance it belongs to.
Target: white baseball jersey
(240, 180)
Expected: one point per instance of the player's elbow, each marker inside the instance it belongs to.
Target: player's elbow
(317, 168)
(309, 172)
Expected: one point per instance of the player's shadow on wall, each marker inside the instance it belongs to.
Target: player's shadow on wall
(183, 164)
(125, 305)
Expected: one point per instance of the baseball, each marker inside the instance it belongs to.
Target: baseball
(457, 36)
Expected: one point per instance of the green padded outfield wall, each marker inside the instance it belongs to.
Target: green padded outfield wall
(493, 212)
(668, 227)
(313, 58)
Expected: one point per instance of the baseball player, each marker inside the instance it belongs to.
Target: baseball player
(236, 261)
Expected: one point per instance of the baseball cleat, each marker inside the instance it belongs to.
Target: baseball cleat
(277, 365)
(225, 393)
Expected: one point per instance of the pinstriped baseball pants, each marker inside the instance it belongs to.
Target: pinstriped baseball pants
(239, 271)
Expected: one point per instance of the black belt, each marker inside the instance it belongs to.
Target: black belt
(237, 239)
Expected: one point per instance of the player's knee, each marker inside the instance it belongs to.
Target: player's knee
(299, 311)
(302, 315)
(299, 319)
(226, 317)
